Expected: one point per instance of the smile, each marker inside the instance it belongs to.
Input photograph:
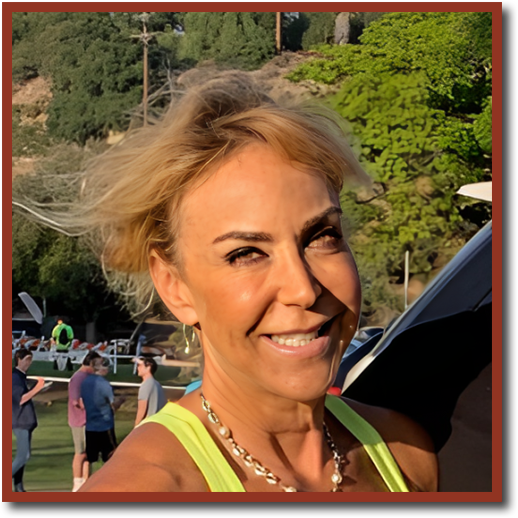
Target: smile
(295, 340)
(301, 339)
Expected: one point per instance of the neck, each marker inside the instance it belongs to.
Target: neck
(21, 370)
(246, 402)
(147, 376)
(283, 434)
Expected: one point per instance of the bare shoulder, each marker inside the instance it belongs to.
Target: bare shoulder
(150, 459)
(410, 444)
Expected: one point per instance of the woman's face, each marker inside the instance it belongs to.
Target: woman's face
(271, 279)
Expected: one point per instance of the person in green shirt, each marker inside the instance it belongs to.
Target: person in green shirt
(62, 336)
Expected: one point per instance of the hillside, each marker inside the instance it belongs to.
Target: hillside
(31, 99)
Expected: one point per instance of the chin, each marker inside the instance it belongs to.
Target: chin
(301, 390)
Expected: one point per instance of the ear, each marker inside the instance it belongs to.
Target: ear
(173, 291)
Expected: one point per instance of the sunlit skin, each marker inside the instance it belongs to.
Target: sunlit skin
(271, 263)
(274, 262)
(262, 254)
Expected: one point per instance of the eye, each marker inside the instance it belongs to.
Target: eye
(245, 256)
(327, 239)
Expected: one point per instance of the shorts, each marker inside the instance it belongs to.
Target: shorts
(78, 435)
(103, 443)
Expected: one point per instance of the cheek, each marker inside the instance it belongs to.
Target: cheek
(340, 278)
(238, 301)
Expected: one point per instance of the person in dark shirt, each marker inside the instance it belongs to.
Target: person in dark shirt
(24, 415)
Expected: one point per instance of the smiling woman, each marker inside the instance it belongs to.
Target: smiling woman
(229, 209)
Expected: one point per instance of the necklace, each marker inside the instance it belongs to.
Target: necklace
(261, 471)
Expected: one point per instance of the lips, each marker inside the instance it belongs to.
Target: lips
(302, 344)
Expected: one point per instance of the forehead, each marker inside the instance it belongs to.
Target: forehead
(255, 186)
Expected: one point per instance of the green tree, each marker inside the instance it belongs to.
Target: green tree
(242, 40)
(416, 93)
(94, 61)
(47, 263)
(320, 29)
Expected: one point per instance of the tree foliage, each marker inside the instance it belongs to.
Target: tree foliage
(416, 93)
(320, 29)
(241, 40)
(94, 62)
(47, 263)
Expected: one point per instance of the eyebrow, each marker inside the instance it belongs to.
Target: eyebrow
(255, 237)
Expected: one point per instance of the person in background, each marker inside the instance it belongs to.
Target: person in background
(62, 336)
(100, 406)
(151, 397)
(77, 420)
(24, 415)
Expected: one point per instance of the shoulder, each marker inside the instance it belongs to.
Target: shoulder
(408, 442)
(88, 379)
(143, 390)
(150, 459)
(77, 377)
(18, 378)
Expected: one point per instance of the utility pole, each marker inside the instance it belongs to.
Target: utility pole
(278, 44)
(145, 37)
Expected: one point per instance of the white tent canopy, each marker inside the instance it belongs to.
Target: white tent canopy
(481, 191)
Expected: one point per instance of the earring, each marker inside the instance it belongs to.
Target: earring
(188, 342)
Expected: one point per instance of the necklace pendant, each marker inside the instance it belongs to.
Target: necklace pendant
(336, 478)
(336, 490)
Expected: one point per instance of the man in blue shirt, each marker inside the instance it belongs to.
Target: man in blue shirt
(100, 405)
(24, 415)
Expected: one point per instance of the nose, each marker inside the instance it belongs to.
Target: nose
(297, 284)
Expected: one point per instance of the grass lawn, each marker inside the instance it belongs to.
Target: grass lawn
(50, 466)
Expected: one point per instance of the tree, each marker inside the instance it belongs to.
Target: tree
(241, 40)
(416, 94)
(47, 263)
(321, 27)
(94, 64)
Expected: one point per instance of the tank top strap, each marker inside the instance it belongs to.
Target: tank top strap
(371, 441)
(220, 477)
(193, 436)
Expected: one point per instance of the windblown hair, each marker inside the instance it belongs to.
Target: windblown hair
(131, 195)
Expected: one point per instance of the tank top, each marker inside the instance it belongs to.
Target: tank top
(220, 477)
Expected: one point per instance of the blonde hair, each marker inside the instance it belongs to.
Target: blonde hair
(131, 195)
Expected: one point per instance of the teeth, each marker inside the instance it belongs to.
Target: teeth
(295, 340)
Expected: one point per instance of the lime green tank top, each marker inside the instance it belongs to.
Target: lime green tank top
(220, 477)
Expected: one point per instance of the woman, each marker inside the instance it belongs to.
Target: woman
(231, 206)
